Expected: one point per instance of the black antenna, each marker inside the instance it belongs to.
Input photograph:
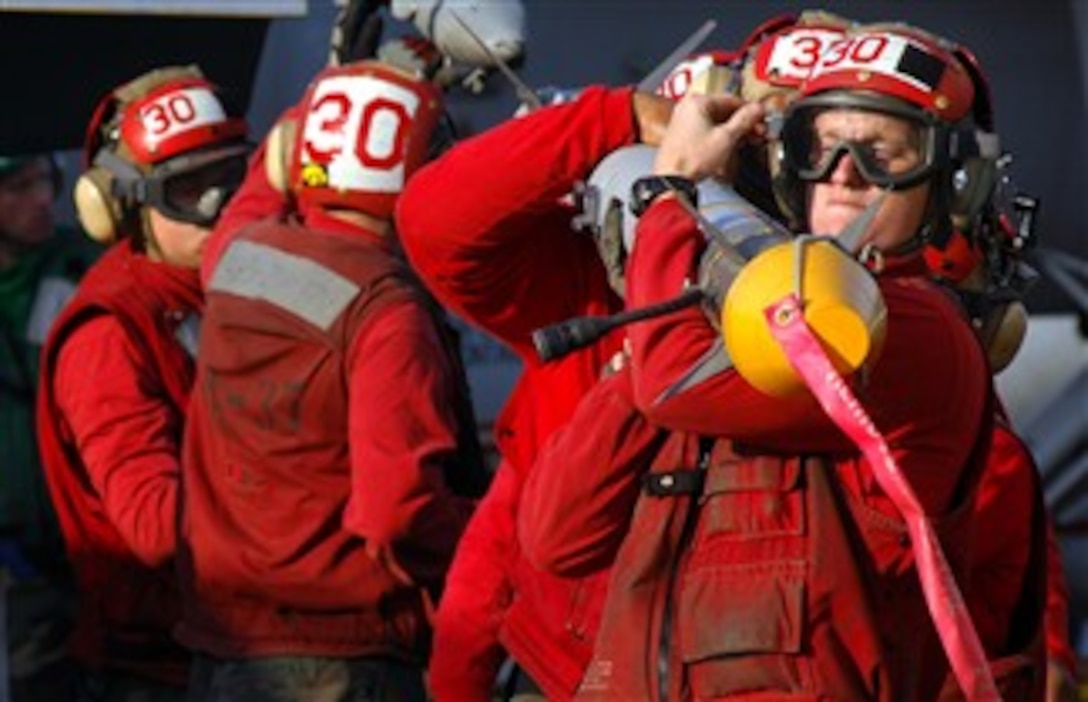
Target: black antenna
(558, 340)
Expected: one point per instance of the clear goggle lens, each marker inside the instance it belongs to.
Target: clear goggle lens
(894, 161)
(197, 191)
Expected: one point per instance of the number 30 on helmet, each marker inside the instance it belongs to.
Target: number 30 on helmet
(359, 132)
(162, 140)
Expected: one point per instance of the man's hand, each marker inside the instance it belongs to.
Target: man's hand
(652, 115)
(383, 556)
(704, 135)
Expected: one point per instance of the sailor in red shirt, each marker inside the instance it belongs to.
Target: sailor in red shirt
(487, 228)
(319, 513)
(740, 597)
(118, 367)
(1009, 543)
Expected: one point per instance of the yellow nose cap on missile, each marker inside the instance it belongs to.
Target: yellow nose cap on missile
(842, 305)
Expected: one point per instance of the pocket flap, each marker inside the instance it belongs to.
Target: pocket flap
(757, 474)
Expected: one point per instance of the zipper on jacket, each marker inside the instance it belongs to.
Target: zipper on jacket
(690, 518)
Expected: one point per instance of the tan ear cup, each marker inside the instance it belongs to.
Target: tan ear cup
(277, 154)
(98, 211)
(1003, 333)
(715, 80)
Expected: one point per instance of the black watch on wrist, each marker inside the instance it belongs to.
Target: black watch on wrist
(648, 188)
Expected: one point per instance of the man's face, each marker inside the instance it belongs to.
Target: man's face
(203, 193)
(173, 242)
(890, 144)
(26, 204)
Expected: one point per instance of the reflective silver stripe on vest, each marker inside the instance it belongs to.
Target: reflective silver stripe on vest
(299, 285)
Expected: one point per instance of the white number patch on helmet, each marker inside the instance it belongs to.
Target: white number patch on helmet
(884, 54)
(179, 111)
(676, 84)
(355, 132)
(787, 58)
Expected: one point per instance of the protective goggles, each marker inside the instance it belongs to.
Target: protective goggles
(894, 162)
(195, 189)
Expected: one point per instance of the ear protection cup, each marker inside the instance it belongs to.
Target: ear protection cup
(98, 210)
(1003, 332)
(277, 154)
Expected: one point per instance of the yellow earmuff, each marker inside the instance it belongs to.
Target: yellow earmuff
(277, 154)
(1003, 333)
(99, 212)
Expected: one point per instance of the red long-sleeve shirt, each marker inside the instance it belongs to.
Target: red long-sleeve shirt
(485, 229)
(117, 372)
(128, 438)
(576, 513)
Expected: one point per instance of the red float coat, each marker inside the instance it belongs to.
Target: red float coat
(577, 509)
(110, 417)
(1015, 546)
(923, 428)
(321, 431)
(742, 584)
(484, 227)
(751, 521)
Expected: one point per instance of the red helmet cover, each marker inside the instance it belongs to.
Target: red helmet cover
(363, 129)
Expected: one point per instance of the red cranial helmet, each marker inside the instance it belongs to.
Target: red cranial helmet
(177, 117)
(768, 67)
(774, 58)
(782, 58)
(163, 140)
(902, 71)
(360, 131)
(975, 231)
(900, 62)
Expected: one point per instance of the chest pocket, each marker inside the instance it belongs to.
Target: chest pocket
(752, 499)
(741, 599)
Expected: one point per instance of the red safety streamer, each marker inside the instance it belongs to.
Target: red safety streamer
(953, 622)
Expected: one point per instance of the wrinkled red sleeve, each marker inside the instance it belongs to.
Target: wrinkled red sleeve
(927, 392)
(255, 200)
(484, 227)
(1000, 554)
(1006, 499)
(578, 499)
(127, 435)
(466, 652)
(403, 432)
